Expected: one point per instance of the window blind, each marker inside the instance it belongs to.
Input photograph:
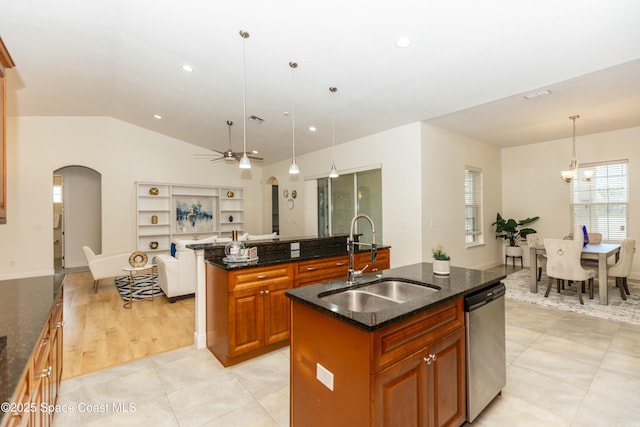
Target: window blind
(601, 203)
(473, 205)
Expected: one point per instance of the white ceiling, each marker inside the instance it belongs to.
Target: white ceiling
(468, 67)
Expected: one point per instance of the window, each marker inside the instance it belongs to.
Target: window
(473, 206)
(601, 203)
(342, 198)
(57, 194)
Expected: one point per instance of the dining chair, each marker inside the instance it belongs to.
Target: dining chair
(621, 269)
(563, 263)
(534, 240)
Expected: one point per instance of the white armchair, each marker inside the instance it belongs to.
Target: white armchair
(104, 265)
(177, 275)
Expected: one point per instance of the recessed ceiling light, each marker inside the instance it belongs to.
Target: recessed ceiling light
(187, 68)
(157, 116)
(535, 95)
(403, 41)
(312, 128)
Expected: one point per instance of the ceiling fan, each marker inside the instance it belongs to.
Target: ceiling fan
(227, 155)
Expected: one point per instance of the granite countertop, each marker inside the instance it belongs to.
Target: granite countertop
(25, 305)
(460, 282)
(272, 252)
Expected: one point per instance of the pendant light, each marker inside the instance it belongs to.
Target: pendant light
(293, 168)
(569, 175)
(334, 172)
(245, 163)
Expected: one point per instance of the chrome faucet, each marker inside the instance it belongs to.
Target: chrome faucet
(353, 273)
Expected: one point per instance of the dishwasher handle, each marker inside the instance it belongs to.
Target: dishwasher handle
(484, 297)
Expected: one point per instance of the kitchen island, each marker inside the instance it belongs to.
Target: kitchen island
(401, 365)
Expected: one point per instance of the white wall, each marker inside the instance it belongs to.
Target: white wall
(122, 154)
(444, 157)
(398, 152)
(531, 183)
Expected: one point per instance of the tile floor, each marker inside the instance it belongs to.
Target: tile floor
(563, 369)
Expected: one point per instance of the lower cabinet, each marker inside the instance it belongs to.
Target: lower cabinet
(40, 382)
(411, 373)
(248, 313)
(425, 389)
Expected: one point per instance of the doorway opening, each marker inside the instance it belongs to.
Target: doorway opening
(272, 207)
(77, 216)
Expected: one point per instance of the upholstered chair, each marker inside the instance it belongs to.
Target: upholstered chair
(177, 274)
(535, 240)
(595, 238)
(622, 268)
(563, 263)
(105, 265)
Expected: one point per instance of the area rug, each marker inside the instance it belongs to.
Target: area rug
(141, 286)
(628, 311)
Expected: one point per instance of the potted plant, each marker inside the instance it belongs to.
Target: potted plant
(441, 261)
(507, 229)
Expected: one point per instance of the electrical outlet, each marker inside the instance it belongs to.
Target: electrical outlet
(324, 376)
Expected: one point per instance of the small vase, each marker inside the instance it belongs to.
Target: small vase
(154, 219)
(441, 267)
(153, 245)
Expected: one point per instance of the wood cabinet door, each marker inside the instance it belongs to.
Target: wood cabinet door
(246, 321)
(276, 313)
(447, 380)
(400, 394)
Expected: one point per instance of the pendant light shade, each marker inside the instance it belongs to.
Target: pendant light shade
(245, 163)
(293, 168)
(333, 173)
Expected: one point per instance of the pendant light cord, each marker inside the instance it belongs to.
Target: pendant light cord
(244, 36)
(293, 66)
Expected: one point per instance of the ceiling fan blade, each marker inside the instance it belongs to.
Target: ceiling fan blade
(254, 157)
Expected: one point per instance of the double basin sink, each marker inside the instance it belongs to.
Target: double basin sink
(378, 295)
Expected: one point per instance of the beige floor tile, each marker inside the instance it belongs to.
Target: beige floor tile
(599, 410)
(570, 349)
(250, 415)
(277, 404)
(507, 410)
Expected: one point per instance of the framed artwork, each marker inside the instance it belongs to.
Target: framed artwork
(194, 214)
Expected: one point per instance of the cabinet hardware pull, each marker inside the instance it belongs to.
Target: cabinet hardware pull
(339, 264)
(45, 373)
(44, 342)
(60, 324)
(312, 268)
(262, 293)
(373, 270)
(266, 292)
(263, 276)
(430, 359)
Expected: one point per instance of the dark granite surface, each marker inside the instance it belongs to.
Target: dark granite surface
(25, 305)
(460, 282)
(274, 252)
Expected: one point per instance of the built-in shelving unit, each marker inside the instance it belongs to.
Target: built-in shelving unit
(158, 204)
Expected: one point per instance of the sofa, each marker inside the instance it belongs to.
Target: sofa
(177, 273)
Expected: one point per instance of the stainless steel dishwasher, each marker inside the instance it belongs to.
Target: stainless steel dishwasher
(486, 359)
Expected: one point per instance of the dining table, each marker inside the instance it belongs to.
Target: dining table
(600, 252)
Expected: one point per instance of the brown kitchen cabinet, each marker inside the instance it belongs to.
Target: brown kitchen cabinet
(248, 313)
(321, 270)
(410, 373)
(40, 381)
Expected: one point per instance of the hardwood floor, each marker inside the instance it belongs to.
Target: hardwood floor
(100, 333)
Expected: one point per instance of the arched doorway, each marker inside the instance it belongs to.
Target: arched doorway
(77, 211)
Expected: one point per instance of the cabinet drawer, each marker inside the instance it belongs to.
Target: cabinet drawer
(395, 342)
(382, 261)
(260, 276)
(322, 270)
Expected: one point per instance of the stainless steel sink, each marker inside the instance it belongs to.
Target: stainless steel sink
(398, 290)
(378, 295)
(359, 301)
